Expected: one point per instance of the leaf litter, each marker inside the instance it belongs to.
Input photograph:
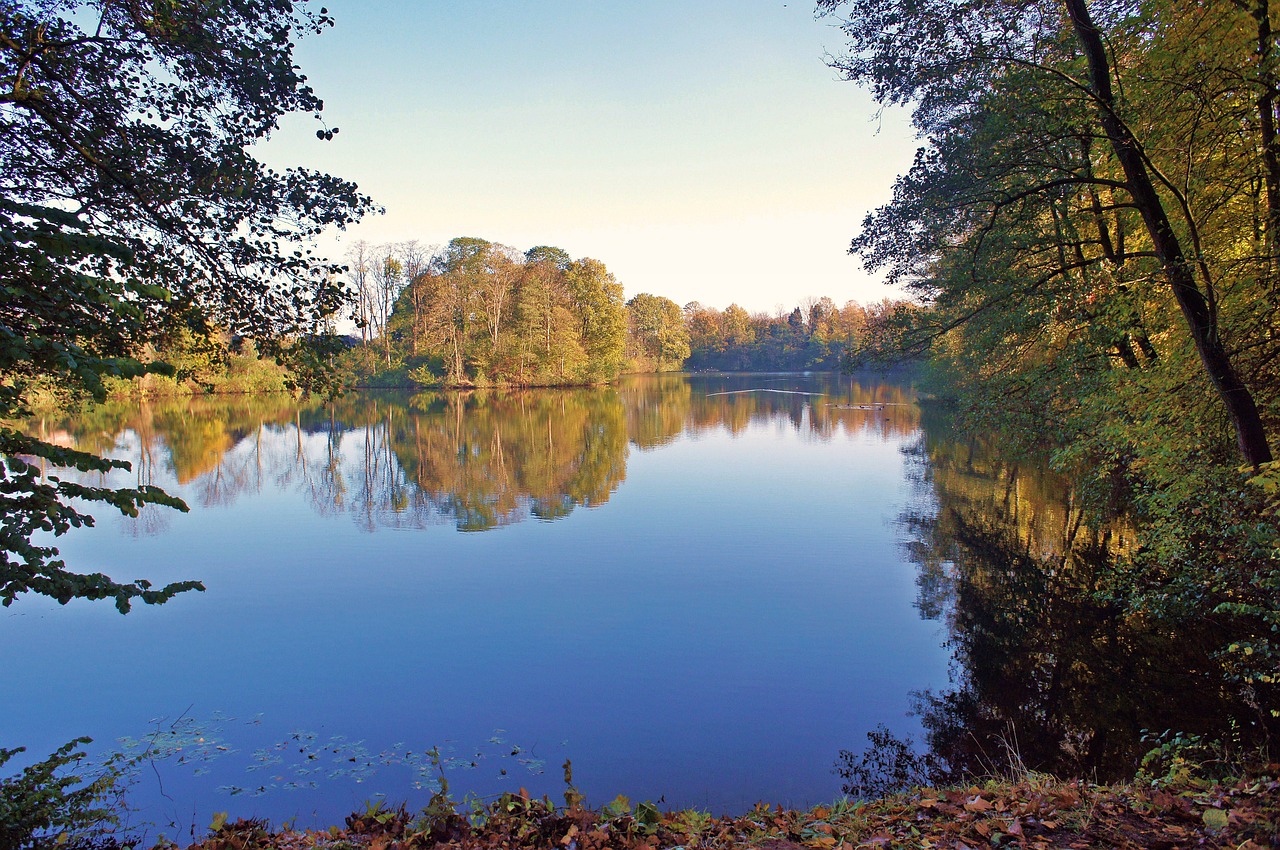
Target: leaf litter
(1035, 813)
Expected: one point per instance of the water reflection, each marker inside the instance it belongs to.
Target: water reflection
(696, 591)
(1050, 670)
(475, 459)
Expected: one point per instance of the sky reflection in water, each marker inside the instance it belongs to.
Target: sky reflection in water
(694, 589)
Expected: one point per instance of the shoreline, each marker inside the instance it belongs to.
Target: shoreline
(1034, 812)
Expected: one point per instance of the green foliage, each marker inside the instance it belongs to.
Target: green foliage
(657, 338)
(423, 376)
(1184, 760)
(133, 215)
(47, 806)
(1077, 622)
(482, 314)
(1052, 264)
(36, 502)
(1215, 556)
(209, 364)
(440, 818)
(818, 336)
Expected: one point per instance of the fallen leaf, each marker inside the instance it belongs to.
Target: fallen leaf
(978, 804)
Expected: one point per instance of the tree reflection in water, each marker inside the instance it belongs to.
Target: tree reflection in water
(1047, 660)
(477, 460)
(1051, 671)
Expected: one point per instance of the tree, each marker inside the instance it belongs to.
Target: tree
(706, 328)
(738, 332)
(557, 257)
(360, 263)
(1093, 199)
(129, 201)
(540, 291)
(416, 260)
(597, 305)
(388, 280)
(488, 314)
(503, 266)
(657, 332)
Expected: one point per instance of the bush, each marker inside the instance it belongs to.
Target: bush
(47, 806)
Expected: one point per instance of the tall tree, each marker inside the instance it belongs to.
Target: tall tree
(388, 279)
(656, 332)
(129, 197)
(1087, 194)
(416, 259)
(360, 263)
(598, 307)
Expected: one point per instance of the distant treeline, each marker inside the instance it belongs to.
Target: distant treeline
(814, 335)
(480, 313)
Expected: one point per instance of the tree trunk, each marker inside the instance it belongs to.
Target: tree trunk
(1267, 124)
(1251, 435)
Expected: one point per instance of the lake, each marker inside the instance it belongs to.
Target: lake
(696, 588)
(702, 590)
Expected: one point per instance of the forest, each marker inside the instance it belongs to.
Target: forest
(1091, 233)
(479, 313)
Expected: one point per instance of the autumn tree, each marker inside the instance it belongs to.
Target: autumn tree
(813, 336)
(597, 304)
(541, 291)
(388, 279)
(1091, 199)
(498, 290)
(706, 331)
(416, 260)
(657, 336)
(483, 312)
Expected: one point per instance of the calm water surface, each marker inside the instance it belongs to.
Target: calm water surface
(698, 589)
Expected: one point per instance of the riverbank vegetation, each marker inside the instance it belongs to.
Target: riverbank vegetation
(1191, 805)
(477, 313)
(815, 335)
(1091, 230)
(480, 314)
(1034, 812)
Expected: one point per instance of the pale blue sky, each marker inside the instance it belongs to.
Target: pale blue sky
(701, 149)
